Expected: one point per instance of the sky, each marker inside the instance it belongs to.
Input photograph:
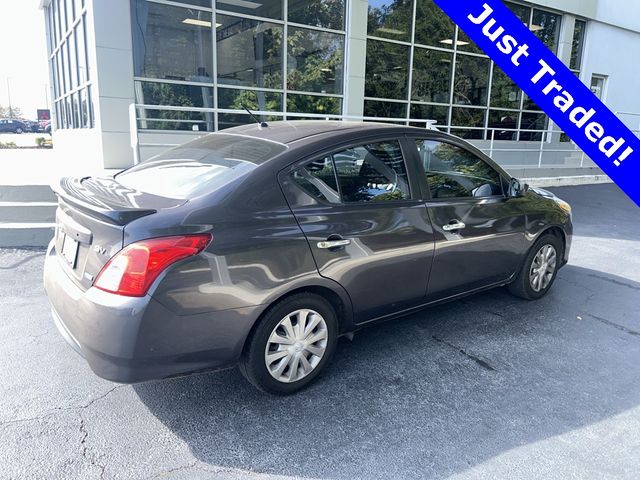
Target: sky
(23, 56)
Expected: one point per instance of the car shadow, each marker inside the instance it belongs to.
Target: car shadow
(429, 395)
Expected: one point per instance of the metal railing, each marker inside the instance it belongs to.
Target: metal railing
(538, 142)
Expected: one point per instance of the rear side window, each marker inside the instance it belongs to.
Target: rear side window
(453, 172)
(201, 166)
(374, 172)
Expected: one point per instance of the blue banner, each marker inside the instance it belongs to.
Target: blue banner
(553, 87)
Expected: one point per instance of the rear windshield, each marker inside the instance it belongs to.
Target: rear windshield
(200, 166)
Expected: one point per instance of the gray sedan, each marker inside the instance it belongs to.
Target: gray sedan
(260, 245)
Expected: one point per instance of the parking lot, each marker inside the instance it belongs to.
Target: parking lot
(487, 387)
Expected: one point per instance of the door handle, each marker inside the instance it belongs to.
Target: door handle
(329, 244)
(455, 225)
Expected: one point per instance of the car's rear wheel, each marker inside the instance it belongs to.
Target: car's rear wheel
(291, 345)
(18, 130)
(539, 269)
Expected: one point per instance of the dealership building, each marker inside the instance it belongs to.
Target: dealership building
(130, 78)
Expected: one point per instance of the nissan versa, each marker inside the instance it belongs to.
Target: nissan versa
(261, 245)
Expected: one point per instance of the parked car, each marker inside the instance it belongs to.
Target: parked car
(11, 125)
(260, 246)
(47, 127)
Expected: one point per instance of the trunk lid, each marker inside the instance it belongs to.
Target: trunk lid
(90, 220)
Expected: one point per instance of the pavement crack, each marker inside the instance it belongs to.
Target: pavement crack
(84, 448)
(55, 410)
(165, 473)
(478, 360)
(622, 328)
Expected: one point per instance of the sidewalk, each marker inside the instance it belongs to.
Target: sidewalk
(36, 167)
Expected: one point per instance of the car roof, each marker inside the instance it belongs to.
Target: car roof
(291, 131)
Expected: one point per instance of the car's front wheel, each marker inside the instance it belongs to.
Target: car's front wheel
(19, 130)
(291, 345)
(539, 270)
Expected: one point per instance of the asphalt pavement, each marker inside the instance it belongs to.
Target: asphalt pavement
(487, 387)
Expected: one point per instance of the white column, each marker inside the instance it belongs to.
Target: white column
(113, 88)
(356, 54)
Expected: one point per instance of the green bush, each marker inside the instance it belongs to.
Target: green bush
(8, 145)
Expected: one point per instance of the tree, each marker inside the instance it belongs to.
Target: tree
(14, 113)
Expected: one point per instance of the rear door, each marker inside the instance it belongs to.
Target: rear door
(479, 232)
(368, 230)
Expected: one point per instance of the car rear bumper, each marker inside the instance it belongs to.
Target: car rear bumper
(128, 340)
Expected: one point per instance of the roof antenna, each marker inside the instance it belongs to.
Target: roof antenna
(262, 124)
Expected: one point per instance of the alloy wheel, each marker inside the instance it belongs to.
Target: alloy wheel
(543, 268)
(296, 345)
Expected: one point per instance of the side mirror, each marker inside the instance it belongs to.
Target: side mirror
(517, 188)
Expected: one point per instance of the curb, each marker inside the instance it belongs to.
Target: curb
(567, 181)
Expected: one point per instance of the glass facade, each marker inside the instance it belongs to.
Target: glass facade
(69, 64)
(208, 56)
(421, 66)
(208, 59)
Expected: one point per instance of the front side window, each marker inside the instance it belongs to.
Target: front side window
(453, 172)
(374, 172)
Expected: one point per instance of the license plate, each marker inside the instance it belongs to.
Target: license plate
(69, 250)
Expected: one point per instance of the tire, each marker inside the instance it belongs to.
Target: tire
(271, 376)
(527, 284)
(18, 130)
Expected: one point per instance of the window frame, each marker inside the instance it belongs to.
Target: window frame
(415, 186)
(503, 176)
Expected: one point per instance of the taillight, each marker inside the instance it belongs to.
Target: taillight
(134, 268)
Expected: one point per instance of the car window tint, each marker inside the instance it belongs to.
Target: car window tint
(318, 179)
(374, 172)
(201, 166)
(454, 172)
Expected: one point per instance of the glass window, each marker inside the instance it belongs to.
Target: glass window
(504, 93)
(430, 112)
(318, 180)
(597, 85)
(432, 70)
(158, 119)
(529, 104)
(390, 19)
(156, 93)
(546, 26)
(520, 11)
(252, 99)
(503, 124)
(578, 45)
(372, 173)
(433, 26)
(83, 75)
(532, 121)
(373, 108)
(263, 8)
(387, 71)
(171, 42)
(319, 13)
(471, 81)
(314, 62)
(454, 172)
(200, 166)
(313, 104)
(249, 52)
(73, 60)
(468, 117)
(465, 44)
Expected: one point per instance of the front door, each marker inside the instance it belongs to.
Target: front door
(479, 232)
(366, 226)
